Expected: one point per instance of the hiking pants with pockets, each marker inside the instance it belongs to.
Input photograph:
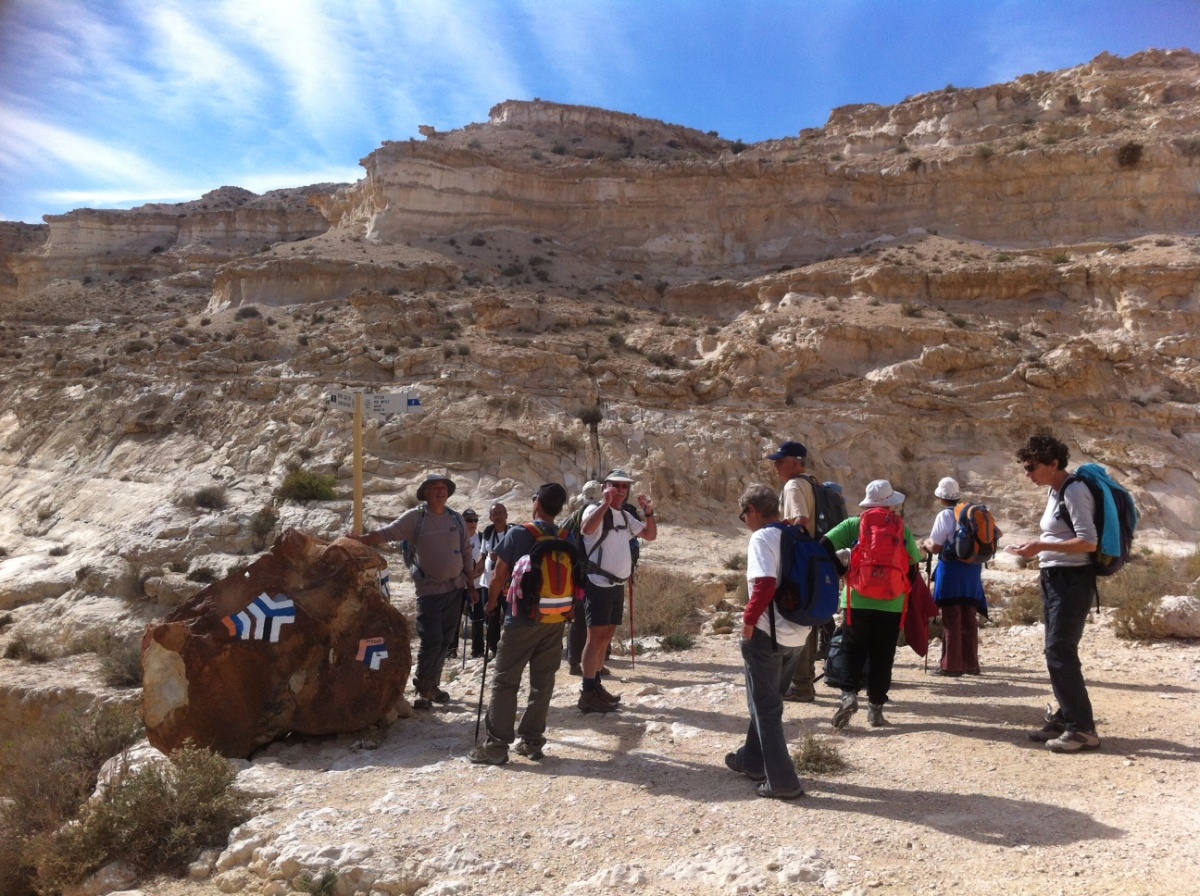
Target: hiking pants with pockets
(1067, 593)
(769, 672)
(539, 647)
(437, 631)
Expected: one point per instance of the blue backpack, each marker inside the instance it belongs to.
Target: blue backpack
(807, 593)
(1116, 518)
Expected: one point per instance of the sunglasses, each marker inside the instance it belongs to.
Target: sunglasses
(742, 515)
(1029, 468)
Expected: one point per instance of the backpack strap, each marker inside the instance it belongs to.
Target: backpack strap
(1064, 514)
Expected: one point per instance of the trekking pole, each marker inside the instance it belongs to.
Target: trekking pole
(632, 644)
(482, 687)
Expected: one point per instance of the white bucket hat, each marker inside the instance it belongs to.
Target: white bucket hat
(881, 494)
(948, 489)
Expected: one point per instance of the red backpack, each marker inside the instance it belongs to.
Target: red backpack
(879, 560)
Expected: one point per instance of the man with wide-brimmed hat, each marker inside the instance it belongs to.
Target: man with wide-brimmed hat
(607, 529)
(441, 567)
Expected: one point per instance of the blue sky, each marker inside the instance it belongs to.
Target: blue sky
(113, 103)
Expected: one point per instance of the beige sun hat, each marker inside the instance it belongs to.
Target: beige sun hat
(881, 494)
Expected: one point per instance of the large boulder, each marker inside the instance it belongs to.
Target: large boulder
(303, 641)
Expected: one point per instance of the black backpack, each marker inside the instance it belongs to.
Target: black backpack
(829, 509)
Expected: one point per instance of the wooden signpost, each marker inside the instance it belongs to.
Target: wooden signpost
(379, 404)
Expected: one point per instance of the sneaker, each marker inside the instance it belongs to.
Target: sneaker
(592, 701)
(1074, 741)
(795, 695)
(875, 715)
(611, 698)
(529, 751)
(577, 669)
(848, 708)
(489, 754)
(764, 789)
(735, 765)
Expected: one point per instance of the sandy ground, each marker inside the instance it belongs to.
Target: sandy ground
(951, 797)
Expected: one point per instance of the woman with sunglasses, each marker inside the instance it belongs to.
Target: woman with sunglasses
(1068, 582)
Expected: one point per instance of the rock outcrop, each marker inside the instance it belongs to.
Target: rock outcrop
(303, 641)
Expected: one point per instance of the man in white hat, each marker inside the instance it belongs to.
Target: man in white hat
(881, 550)
(442, 567)
(607, 529)
(957, 589)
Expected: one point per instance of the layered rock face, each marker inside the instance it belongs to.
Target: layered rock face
(156, 241)
(561, 264)
(1048, 159)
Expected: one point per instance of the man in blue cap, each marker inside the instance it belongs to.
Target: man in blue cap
(797, 506)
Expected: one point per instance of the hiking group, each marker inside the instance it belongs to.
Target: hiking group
(807, 560)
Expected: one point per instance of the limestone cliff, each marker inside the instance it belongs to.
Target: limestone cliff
(909, 290)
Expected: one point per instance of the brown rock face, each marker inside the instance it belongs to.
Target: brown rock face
(303, 641)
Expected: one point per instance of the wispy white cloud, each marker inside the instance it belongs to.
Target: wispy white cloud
(587, 45)
(29, 144)
(197, 67)
(310, 50)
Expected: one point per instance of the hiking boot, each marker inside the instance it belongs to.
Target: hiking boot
(611, 698)
(489, 754)
(795, 695)
(530, 751)
(1051, 730)
(735, 765)
(604, 670)
(1074, 741)
(848, 707)
(875, 715)
(764, 789)
(593, 701)
(576, 669)
(945, 674)
(428, 693)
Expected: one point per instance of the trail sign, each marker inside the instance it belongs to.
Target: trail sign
(380, 404)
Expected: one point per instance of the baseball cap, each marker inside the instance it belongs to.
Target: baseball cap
(789, 449)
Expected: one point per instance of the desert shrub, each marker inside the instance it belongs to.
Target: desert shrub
(120, 655)
(262, 524)
(59, 550)
(677, 641)
(211, 497)
(737, 147)
(24, 646)
(616, 340)
(734, 561)
(246, 312)
(50, 771)
(817, 756)
(302, 485)
(1129, 154)
(325, 885)
(1023, 608)
(666, 601)
(1190, 147)
(1060, 258)
(203, 574)
(157, 819)
(722, 624)
(1135, 591)
(662, 359)
(985, 151)
(907, 309)
(138, 345)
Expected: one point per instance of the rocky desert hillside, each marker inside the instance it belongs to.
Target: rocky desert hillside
(910, 290)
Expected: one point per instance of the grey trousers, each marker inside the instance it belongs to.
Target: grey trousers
(539, 647)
